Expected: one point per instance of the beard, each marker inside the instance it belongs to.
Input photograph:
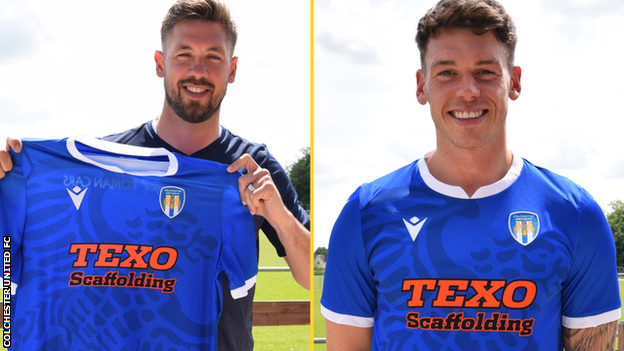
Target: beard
(193, 111)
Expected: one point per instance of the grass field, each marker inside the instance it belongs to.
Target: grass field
(319, 321)
(274, 286)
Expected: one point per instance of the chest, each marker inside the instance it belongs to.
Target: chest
(449, 252)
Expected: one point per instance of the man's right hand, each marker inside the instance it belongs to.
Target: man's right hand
(5, 157)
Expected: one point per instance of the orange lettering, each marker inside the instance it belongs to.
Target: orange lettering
(171, 259)
(417, 286)
(82, 250)
(480, 287)
(446, 295)
(135, 256)
(105, 258)
(529, 295)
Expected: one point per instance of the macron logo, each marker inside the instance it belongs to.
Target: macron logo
(77, 195)
(414, 226)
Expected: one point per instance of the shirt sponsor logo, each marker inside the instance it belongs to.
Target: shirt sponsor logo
(84, 181)
(123, 256)
(470, 294)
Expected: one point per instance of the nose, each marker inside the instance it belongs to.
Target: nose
(467, 87)
(198, 68)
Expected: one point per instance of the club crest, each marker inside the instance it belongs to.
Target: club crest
(172, 200)
(524, 226)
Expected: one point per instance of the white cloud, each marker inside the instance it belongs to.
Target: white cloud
(617, 169)
(568, 155)
(565, 118)
(97, 76)
(13, 113)
(357, 52)
(21, 32)
(586, 9)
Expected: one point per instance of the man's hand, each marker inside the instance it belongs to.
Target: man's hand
(259, 193)
(257, 190)
(6, 164)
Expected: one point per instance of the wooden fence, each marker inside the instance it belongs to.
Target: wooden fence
(272, 313)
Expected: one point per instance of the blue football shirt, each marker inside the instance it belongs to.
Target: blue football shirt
(116, 247)
(429, 268)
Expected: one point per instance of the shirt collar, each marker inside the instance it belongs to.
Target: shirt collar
(457, 192)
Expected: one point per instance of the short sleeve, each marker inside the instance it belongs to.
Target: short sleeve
(591, 291)
(238, 257)
(348, 287)
(13, 216)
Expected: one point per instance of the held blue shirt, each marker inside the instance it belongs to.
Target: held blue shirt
(118, 247)
(236, 322)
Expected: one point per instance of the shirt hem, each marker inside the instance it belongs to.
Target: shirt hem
(591, 321)
(243, 290)
(362, 322)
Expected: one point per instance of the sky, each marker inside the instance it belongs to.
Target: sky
(368, 122)
(71, 67)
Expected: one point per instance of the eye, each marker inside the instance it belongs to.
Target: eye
(214, 56)
(445, 73)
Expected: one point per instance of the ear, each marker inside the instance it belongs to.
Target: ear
(516, 87)
(421, 94)
(159, 57)
(233, 65)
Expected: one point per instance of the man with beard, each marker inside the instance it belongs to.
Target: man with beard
(198, 39)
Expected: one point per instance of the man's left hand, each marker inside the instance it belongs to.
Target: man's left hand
(257, 190)
(259, 193)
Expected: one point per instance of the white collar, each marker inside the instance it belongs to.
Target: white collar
(128, 159)
(458, 192)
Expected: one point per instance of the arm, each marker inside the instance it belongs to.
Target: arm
(341, 337)
(591, 292)
(600, 338)
(260, 195)
(5, 158)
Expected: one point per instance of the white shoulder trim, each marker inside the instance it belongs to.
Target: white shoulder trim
(124, 165)
(243, 290)
(354, 321)
(13, 288)
(591, 321)
(458, 192)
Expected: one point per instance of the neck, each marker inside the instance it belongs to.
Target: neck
(470, 169)
(184, 136)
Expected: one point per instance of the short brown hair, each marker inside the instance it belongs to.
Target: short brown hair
(480, 16)
(203, 10)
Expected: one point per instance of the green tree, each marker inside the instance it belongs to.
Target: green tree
(299, 174)
(616, 222)
(321, 251)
